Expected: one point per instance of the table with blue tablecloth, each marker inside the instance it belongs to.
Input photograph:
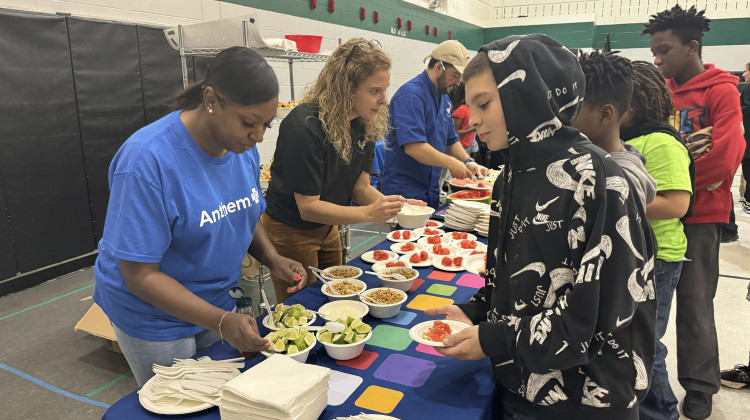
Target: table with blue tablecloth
(394, 375)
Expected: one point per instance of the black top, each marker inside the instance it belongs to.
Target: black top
(306, 163)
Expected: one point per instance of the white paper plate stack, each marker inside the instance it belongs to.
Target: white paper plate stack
(483, 223)
(188, 385)
(276, 388)
(463, 215)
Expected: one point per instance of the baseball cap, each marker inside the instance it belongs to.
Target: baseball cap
(451, 52)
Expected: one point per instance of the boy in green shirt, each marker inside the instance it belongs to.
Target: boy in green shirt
(646, 127)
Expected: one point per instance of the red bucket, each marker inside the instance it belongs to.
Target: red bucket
(306, 43)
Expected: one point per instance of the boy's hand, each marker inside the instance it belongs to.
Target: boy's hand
(451, 312)
(463, 345)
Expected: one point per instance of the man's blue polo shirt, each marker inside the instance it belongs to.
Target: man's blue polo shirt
(418, 113)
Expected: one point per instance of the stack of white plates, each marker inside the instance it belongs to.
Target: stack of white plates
(463, 215)
(483, 223)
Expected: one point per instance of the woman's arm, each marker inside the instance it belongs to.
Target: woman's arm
(147, 282)
(379, 208)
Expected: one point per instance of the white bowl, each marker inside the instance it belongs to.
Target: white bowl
(326, 273)
(345, 351)
(379, 310)
(402, 285)
(268, 322)
(300, 357)
(353, 308)
(412, 217)
(351, 296)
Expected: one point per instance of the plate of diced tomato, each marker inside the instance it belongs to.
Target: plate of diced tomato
(417, 259)
(428, 231)
(382, 265)
(457, 236)
(378, 255)
(402, 236)
(432, 333)
(448, 262)
(406, 247)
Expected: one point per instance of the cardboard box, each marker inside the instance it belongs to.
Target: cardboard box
(96, 322)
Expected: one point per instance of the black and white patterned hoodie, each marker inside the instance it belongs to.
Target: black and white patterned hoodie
(568, 310)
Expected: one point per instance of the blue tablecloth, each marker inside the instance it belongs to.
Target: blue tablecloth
(399, 377)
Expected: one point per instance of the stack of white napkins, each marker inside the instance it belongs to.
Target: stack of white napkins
(277, 388)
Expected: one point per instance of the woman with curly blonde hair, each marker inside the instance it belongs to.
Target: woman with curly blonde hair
(323, 159)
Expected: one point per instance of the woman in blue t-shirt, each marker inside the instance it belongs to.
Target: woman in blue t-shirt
(183, 211)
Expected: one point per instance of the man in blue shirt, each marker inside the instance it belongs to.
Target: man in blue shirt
(423, 139)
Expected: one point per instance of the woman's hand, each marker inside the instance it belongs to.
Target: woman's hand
(290, 271)
(385, 208)
(241, 331)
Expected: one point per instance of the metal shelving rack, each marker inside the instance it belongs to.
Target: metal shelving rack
(270, 54)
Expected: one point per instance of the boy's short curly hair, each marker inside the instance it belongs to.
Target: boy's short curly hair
(687, 24)
(609, 80)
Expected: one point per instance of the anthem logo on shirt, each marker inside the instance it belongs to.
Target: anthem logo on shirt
(223, 210)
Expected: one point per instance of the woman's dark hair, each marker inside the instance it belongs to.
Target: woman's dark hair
(652, 101)
(237, 74)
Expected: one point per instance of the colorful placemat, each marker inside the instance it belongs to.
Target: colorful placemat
(403, 318)
(361, 362)
(417, 282)
(341, 385)
(376, 398)
(423, 348)
(441, 275)
(390, 337)
(422, 302)
(471, 280)
(441, 289)
(405, 370)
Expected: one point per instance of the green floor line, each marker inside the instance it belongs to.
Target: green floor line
(109, 384)
(45, 302)
(366, 241)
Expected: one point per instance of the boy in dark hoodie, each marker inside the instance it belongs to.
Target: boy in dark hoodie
(567, 311)
(703, 96)
(609, 87)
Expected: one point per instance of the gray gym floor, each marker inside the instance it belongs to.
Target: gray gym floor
(50, 371)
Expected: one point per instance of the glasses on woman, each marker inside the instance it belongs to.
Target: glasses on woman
(365, 46)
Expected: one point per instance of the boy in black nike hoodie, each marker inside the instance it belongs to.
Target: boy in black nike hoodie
(567, 312)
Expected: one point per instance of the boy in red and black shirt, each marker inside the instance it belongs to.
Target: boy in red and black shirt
(704, 96)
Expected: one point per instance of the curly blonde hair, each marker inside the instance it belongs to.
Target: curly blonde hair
(333, 92)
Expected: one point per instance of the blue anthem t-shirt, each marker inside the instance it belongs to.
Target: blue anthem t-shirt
(172, 203)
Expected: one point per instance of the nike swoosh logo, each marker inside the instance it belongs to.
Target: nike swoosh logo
(540, 219)
(543, 207)
(519, 307)
(564, 346)
(619, 322)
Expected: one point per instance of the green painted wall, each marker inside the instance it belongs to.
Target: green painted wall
(572, 35)
(346, 13)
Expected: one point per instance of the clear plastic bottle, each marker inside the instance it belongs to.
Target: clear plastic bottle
(245, 306)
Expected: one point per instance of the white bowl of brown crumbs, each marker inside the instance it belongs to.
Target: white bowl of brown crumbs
(341, 272)
(384, 302)
(344, 289)
(409, 274)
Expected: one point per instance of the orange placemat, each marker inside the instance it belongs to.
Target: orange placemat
(422, 302)
(441, 275)
(382, 400)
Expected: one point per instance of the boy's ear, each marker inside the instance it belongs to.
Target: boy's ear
(607, 114)
(694, 47)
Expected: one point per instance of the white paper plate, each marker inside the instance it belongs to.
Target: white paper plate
(413, 237)
(460, 212)
(396, 248)
(467, 252)
(473, 263)
(423, 241)
(369, 257)
(469, 236)
(483, 233)
(416, 331)
(436, 262)
(437, 224)
(425, 263)
(461, 217)
(480, 246)
(452, 220)
(461, 228)
(421, 231)
(381, 265)
(182, 407)
(473, 205)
